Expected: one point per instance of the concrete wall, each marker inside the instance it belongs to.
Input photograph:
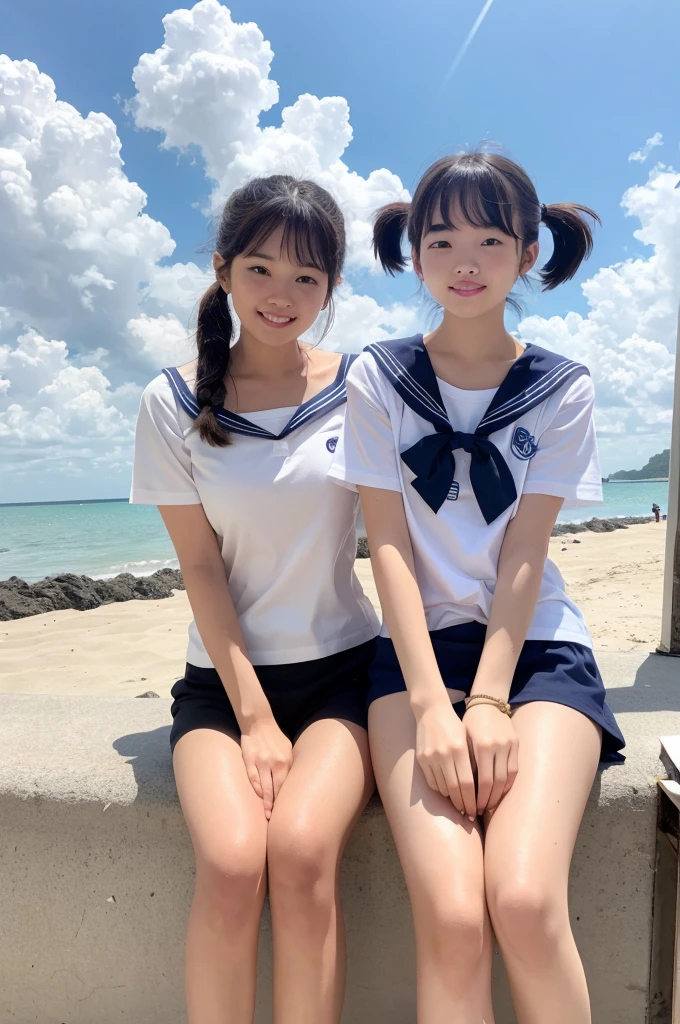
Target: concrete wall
(96, 868)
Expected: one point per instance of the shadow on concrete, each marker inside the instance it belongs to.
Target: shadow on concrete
(148, 753)
(656, 688)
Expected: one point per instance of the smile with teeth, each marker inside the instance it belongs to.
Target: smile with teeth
(270, 318)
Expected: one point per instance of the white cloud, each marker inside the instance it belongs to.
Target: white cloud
(164, 340)
(45, 399)
(80, 260)
(640, 155)
(360, 320)
(207, 85)
(628, 337)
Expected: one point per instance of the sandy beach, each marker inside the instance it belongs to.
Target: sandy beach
(129, 648)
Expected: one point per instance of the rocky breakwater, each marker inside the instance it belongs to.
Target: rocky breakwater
(19, 599)
(599, 525)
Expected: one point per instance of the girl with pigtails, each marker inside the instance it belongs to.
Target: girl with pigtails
(269, 741)
(487, 713)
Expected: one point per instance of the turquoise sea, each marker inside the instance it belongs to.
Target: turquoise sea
(108, 537)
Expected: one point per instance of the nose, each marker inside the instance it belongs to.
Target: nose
(467, 269)
(279, 300)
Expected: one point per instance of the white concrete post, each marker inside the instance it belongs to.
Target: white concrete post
(670, 620)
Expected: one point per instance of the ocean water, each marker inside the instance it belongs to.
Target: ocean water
(105, 538)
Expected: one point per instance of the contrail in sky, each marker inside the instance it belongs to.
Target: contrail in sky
(470, 36)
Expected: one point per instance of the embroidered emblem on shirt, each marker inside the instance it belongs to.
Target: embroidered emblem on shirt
(523, 444)
(332, 444)
(454, 491)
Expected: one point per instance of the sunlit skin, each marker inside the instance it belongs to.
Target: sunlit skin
(435, 771)
(470, 271)
(257, 805)
(276, 301)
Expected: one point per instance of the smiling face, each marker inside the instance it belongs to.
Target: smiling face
(274, 297)
(469, 269)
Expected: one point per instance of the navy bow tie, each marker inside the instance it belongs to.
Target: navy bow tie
(532, 378)
(432, 460)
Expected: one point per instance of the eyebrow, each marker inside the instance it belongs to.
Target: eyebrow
(272, 259)
(433, 228)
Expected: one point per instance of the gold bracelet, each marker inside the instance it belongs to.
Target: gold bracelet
(486, 698)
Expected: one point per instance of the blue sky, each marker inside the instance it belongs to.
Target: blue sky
(570, 89)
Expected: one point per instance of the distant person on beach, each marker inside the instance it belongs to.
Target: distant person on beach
(656, 509)
(487, 714)
(270, 749)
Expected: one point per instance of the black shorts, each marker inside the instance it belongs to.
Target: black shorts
(299, 694)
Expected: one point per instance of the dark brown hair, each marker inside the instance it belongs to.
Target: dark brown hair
(314, 235)
(490, 191)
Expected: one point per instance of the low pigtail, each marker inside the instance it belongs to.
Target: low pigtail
(388, 231)
(572, 241)
(214, 331)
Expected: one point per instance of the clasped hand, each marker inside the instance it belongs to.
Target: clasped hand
(268, 757)
(451, 752)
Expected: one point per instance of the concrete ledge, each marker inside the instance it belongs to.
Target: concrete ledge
(97, 868)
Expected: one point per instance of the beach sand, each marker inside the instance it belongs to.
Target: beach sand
(127, 649)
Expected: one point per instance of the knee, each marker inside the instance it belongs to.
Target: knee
(528, 919)
(452, 935)
(230, 879)
(302, 863)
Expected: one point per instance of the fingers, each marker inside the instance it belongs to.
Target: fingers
(466, 783)
(279, 775)
(500, 773)
(254, 779)
(453, 786)
(430, 776)
(513, 767)
(440, 779)
(267, 784)
(485, 779)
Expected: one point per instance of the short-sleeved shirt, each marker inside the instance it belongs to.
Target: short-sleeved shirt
(286, 532)
(455, 550)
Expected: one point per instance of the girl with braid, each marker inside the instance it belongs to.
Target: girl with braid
(270, 749)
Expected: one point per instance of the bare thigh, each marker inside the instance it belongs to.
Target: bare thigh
(325, 791)
(530, 837)
(440, 851)
(224, 815)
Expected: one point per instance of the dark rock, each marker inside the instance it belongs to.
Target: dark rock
(19, 599)
(149, 693)
(596, 525)
(362, 548)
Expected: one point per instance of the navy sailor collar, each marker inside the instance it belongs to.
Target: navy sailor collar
(531, 379)
(330, 397)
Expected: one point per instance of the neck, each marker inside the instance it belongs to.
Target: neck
(481, 339)
(251, 358)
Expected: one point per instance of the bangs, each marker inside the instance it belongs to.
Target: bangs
(479, 192)
(309, 238)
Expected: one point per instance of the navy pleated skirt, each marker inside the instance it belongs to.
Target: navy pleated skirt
(548, 670)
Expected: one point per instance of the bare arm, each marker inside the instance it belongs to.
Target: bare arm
(520, 572)
(267, 753)
(441, 745)
(393, 567)
(205, 580)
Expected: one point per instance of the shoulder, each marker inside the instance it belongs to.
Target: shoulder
(158, 391)
(578, 384)
(364, 373)
(577, 390)
(159, 401)
(547, 359)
